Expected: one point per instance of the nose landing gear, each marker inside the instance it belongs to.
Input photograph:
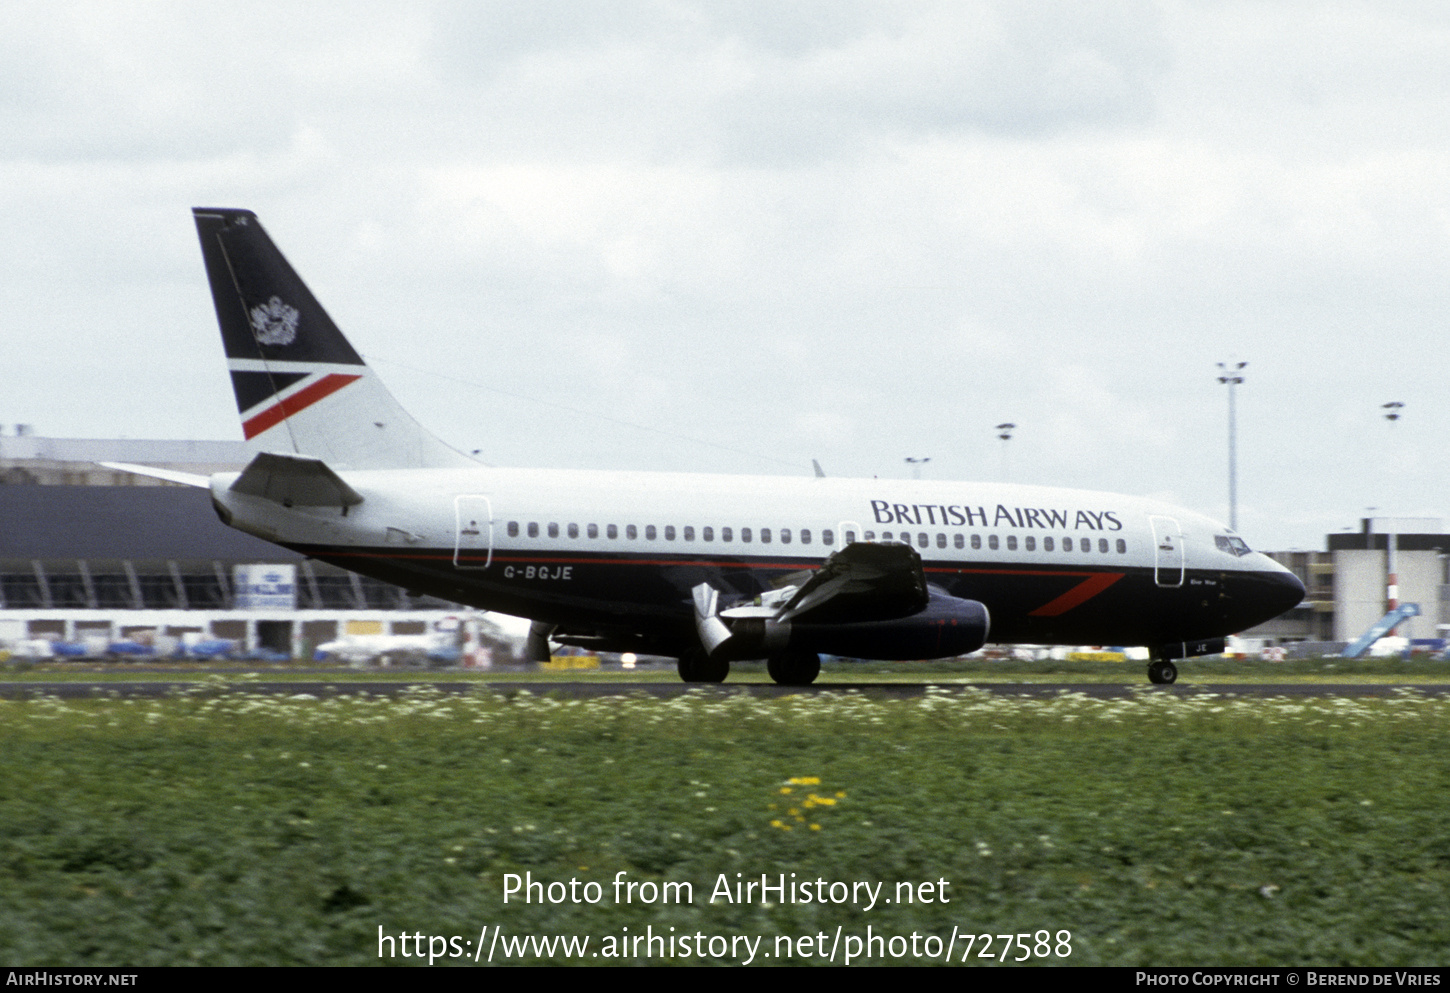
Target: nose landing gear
(1162, 672)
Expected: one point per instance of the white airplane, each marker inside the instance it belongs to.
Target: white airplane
(707, 569)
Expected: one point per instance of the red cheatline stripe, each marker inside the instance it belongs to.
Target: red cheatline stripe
(299, 401)
(1081, 593)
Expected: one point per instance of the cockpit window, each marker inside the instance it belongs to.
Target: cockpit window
(1232, 544)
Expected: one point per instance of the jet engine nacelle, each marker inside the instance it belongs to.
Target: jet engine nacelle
(946, 627)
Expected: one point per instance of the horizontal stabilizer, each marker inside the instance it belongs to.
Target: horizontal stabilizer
(170, 475)
(295, 481)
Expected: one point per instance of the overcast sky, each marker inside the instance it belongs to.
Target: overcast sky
(736, 236)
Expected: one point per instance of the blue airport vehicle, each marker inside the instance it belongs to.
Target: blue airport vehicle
(1380, 628)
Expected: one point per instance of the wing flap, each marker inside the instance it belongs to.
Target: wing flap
(861, 582)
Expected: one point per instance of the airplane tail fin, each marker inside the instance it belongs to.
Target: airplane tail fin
(300, 386)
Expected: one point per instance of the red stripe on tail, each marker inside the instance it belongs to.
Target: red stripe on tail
(296, 403)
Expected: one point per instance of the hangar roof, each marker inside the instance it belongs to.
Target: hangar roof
(122, 522)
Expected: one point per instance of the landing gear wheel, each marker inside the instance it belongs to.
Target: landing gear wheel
(697, 667)
(794, 668)
(1162, 672)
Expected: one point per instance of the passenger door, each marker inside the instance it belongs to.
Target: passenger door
(473, 532)
(1167, 551)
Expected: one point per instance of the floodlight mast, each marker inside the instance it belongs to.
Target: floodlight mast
(1232, 376)
(1004, 431)
(1392, 569)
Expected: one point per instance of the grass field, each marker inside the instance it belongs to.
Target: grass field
(240, 829)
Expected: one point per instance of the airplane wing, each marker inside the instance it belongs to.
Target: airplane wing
(861, 582)
(861, 585)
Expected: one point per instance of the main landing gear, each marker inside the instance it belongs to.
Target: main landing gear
(1162, 671)
(794, 668)
(697, 667)
(789, 668)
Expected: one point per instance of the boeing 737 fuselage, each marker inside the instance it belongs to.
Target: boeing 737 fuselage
(707, 569)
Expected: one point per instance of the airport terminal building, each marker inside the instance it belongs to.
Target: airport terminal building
(1347, 586)
(95, 554)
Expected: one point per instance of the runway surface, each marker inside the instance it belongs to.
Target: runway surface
(602, 688)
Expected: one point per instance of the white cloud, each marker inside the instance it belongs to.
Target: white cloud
(849, 231)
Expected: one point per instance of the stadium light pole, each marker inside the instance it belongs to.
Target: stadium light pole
(1004, 431)
(1232, 376)
(1392, 540)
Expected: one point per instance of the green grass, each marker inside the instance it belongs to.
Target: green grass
(237, 829)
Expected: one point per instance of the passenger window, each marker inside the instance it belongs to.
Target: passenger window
(1102, 544)
(1067, 544)
(977, 542)
(553, 530)
(533, 529)
(941, 541)
(1011, 543)
(744, 534)
(1047, 545)
(992, 542)
(785, 536)
(849, 537)
(1122, 547)
(871, 536)
(1030, 543)
(765, 536)
(593, 531)
(513, 529)
(631, 532)
(573, 530)
(649, 531)
(612, 531)
(689, 533)
(669, 532)
(922, 540)
(806, 536)
(957, 541)
(708, 534)
(726, 534)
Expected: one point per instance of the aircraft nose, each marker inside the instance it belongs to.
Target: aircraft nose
(1284, 592)
(1262, 596)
